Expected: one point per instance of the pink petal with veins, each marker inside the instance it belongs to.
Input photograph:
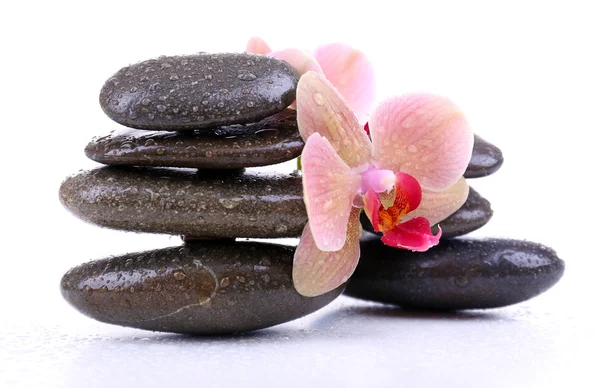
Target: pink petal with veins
(436, 206)
(298, 59)
(316, 272)
(423, 135)
(372, 204)
(322, 110)
(329, 190)
(257, 45)
(414, 235)
(352, 74)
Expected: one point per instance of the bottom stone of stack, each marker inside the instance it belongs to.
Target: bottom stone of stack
(456, 274)
(205, 287)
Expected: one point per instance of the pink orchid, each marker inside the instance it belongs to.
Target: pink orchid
(348, 70)
(407, 177)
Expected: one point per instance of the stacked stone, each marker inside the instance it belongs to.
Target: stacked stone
(195, 124)
(457, 274)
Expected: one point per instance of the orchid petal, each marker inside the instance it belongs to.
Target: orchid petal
(407, 198)
(372, 204)
(329, 190)
(352, 74)
(321, 109)
(423, 135)
(298, 59)
(436, 206)
(316, 272)
(414, 235)
(257, 45)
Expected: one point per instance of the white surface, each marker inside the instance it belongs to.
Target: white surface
(526, 74)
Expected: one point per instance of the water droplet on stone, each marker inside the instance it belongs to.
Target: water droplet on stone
(146, 101)
(161, 108)
(246, 76)
(229, 203)
(160, 150)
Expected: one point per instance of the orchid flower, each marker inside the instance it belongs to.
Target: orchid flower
(346, 68)
(407, 176)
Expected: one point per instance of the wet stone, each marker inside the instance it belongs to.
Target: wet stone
(199, 288)
(273, 140)
(456, 274)
(472, 215)
(198, 91)
(199, 203)
(485, 160)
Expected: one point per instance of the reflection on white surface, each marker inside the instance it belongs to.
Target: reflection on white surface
(349, 343)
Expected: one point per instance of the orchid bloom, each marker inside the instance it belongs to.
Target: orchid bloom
(407, 176)
(348, 70)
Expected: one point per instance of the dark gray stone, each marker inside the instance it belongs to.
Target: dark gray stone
(273, 140)
(457, 274)
(472, 215)
(200, 203)
(200, 288)
(199, 91)
(485, 160)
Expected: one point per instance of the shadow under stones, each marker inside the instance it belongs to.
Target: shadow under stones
(362, 314)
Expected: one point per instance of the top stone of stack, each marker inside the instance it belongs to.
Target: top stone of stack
(200, 91)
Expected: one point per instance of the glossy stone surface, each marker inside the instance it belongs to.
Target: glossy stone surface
(485, 160)
(199, 288)
(457, 274)
(200, 203)
(198, 91)
(273, 140)
(472, 215)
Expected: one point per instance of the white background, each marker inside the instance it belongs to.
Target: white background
(526, 74)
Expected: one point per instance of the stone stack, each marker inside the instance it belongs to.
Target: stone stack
(196, 123)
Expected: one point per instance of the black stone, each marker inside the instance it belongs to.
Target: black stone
(199, 91)
(200, 288)
(485, 160)
(472, 215)
(273, 140)
(457, 274)
(199, 203)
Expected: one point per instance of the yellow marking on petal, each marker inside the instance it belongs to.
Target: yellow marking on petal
(388, 198)
(392, 215)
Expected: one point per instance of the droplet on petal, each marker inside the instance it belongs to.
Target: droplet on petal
(332, 118)
(316, 272)
(436, 206)
(436, 140)
(329, 190)
(351, 73)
